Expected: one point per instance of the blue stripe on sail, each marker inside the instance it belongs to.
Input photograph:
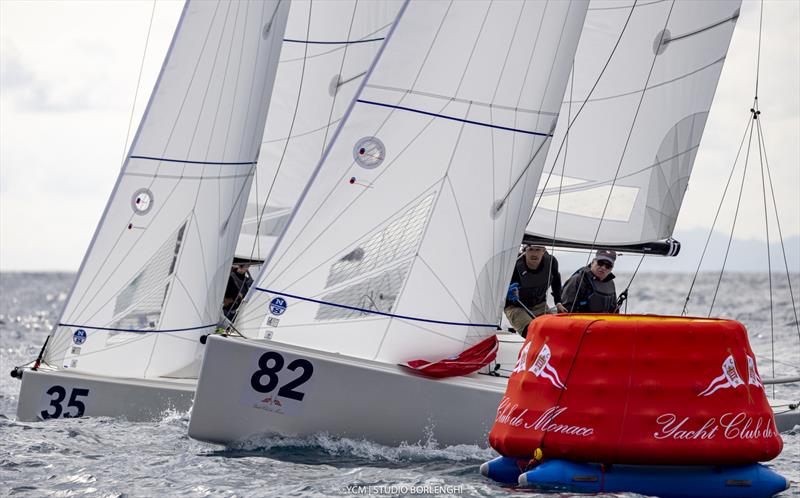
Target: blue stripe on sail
(137, 331)
(319, 42)
(390, 315)
(148, 158)
(469, 121)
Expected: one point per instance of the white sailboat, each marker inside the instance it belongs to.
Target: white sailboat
(302, 115)
(152, 280)
(402, 246)
(402, 243)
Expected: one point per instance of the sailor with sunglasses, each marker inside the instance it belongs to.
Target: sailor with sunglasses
(591, 289)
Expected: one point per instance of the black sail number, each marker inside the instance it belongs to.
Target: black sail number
(57, 396)
(269, 364)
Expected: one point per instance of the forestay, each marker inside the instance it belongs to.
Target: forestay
(327, 49)
(623, 169)
(402, 246)
(153, 278)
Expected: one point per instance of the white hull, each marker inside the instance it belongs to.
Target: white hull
(62, 394)
(344, 396)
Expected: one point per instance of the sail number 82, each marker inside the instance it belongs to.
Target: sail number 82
(266, 379)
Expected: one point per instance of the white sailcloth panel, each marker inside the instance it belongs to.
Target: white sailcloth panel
(153, 278)
(400, 248)
(668, 78)
(327, 49)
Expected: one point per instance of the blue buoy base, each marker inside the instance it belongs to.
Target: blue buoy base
(751, 481)
(504, 470)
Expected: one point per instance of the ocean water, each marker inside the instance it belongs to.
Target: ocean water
(111, 457)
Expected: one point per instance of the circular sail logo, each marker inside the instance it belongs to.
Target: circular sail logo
(277, 306)
(79, 337)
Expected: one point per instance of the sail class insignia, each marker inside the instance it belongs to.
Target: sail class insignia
(142, 201)
(369, 152)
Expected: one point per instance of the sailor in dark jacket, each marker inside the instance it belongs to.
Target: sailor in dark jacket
(534, 272)
(591, 289)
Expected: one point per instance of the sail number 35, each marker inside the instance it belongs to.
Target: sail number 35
(57, 396)
(266, 379)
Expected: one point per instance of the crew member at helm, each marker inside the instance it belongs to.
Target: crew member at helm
(534, 272)
(591, 289)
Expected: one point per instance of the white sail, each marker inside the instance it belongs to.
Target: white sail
(153, 278)
(625, 166)
(404, 241)
(327, 49)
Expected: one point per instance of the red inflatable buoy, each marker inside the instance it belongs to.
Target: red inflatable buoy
(637, 390)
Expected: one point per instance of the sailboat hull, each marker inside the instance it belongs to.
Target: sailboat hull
(60, 394)
(248, 388)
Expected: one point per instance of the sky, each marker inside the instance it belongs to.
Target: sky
(68, 84)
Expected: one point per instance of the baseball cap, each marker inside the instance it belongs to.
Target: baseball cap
(606, 255)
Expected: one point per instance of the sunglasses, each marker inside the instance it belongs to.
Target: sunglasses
(602, 262)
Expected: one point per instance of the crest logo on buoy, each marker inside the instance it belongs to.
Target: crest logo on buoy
(277, 306)
(541, 365)
(730, 378)
(752, 374)
(541, 368)
(79, 337)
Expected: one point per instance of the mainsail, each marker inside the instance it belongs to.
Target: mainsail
(404, 240)
(643, 80)
(327, 49)
(153, 277)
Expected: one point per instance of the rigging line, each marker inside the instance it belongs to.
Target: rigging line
(663, 83)
(625, 147)
(583, 104)
(716, 216)
(769, 253)
(166, 145)
(735, 217)
(209, 99)
(498, 205)
(139, 80)
(259, 220)
(492, 106)
(375, 312)
(561, 182)
(593, 184)
(135, 95)
(304, 133)
(520, 214)
(778, 225)
(243, 193)
(758, 56)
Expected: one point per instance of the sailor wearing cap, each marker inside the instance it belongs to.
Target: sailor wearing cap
(591, 289)
(534, 272)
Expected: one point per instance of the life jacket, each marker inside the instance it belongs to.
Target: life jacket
(533, 284)
(595, 296)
